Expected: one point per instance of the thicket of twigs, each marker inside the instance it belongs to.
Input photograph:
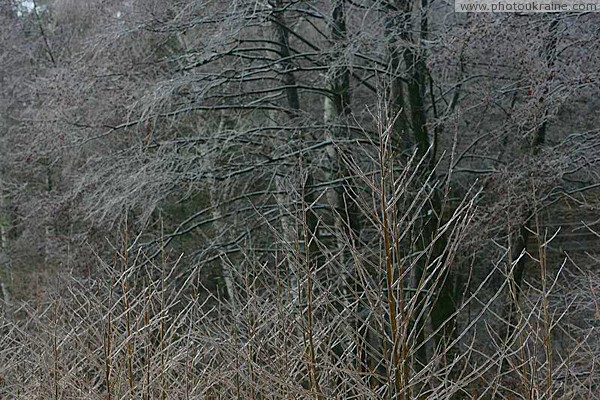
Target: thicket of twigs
(330, 199)
(319, 323)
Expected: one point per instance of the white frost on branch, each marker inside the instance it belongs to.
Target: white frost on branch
(28, 6)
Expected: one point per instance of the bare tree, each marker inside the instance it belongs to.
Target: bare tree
(366, 180)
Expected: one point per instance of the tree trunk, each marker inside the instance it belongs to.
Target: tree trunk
(516, 270)
(340, 194)
(408, 99)
(219, 226)
(4, 256)
(335, 108)
(291, 235)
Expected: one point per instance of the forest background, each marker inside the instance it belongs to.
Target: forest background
(297, 199)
